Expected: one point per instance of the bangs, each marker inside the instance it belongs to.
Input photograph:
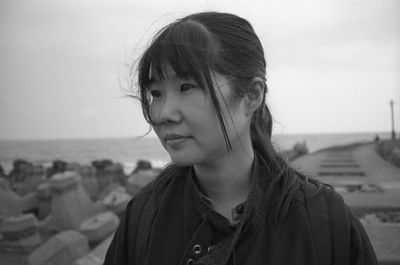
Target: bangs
(187, 47)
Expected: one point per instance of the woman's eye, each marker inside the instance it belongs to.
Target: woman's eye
(186, 87)
(155, 93)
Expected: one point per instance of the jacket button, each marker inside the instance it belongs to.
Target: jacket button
(197, 249)
(210, 248)
(190, 261)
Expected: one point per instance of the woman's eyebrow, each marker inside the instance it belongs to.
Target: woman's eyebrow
(153, 80)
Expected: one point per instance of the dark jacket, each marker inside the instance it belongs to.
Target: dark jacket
(170, 222)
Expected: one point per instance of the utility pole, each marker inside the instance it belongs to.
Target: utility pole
(391, 110)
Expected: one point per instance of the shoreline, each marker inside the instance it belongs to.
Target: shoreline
(138, 137)
(128, 150)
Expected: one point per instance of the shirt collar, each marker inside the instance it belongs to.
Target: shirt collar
(255, 205)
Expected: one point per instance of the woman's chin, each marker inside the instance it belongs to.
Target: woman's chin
(182, 159)
(182, 162)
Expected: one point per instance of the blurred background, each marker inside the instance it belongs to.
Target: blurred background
(333, 66)
(332, 71)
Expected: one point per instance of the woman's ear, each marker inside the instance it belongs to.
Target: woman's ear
(254, 95)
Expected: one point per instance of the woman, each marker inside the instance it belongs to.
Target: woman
(227, 198)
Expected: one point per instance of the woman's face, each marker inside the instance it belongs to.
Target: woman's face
(186, 122)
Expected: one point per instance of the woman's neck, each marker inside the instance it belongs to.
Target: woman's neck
(227, 179)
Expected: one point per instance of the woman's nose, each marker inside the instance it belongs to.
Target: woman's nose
(169, 111)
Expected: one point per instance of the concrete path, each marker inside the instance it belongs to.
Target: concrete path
(376, 169)
(367, 183)
(352, 167)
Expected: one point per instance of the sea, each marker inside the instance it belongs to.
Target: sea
(129, 150)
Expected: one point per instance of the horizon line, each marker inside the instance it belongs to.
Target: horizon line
(137, 137)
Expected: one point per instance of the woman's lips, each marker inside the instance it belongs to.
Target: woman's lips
(175, 140)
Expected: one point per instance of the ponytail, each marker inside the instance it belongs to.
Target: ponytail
(281, 178)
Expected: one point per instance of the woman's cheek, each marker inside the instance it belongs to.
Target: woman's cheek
(197, 96)
(155, 112)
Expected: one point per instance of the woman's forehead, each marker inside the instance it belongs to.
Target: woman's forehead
(162, 71)
(165, 71)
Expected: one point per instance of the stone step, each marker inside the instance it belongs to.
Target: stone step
(342, 161)
(340, 173)
(340, 156)
(339, 166)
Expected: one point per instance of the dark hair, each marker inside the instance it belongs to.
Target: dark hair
(201, 44)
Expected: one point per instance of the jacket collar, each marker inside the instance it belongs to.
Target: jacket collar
(257, 200)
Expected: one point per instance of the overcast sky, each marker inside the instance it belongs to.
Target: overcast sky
(333, 65)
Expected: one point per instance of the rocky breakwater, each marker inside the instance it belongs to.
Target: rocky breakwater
(298, 150)
(64, 214)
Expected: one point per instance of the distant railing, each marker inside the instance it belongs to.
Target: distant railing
(389, 150)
